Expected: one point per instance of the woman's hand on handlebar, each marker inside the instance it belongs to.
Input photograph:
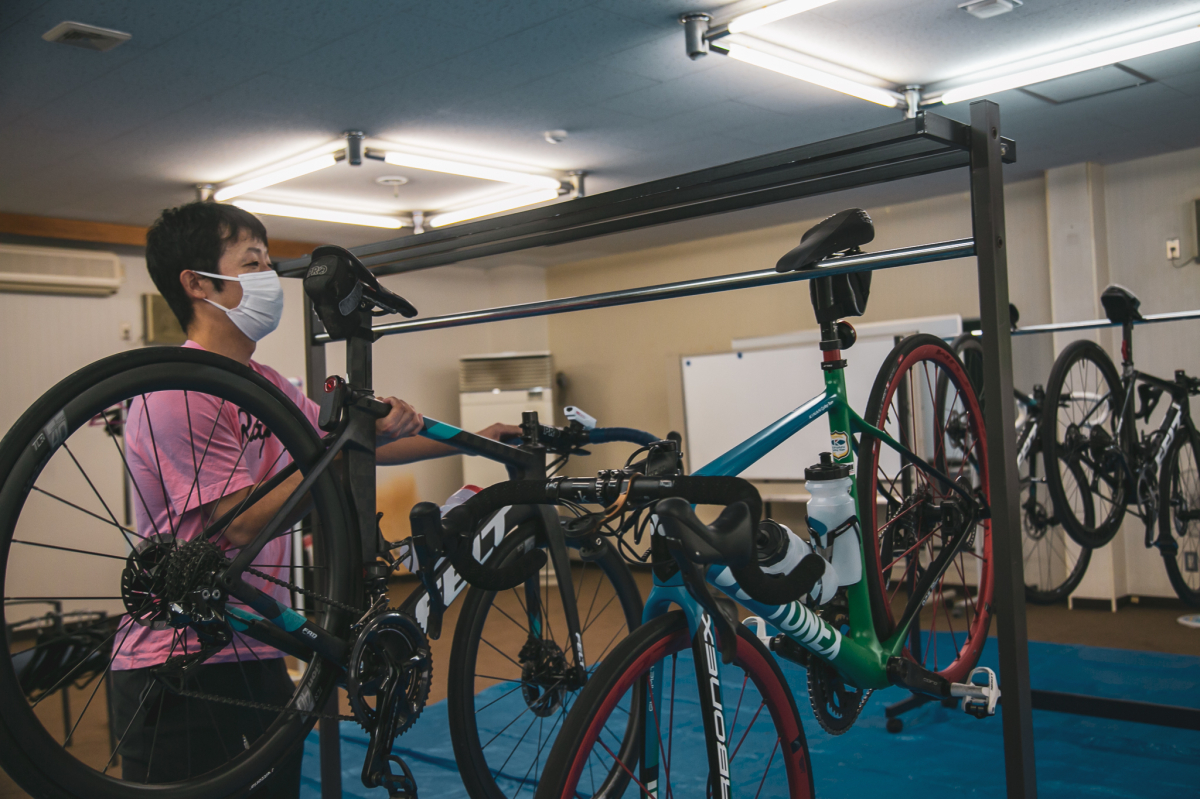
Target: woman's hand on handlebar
(403, 421)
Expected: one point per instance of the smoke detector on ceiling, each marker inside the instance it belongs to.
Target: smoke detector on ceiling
(89, 37)
(554, 136)
(986, 9)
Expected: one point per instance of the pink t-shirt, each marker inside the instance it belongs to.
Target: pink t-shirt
(175, 435)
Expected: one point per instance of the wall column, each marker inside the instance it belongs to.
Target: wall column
(1078, 247)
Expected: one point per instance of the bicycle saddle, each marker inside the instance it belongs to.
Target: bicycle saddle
(1120, 304)
(845, 231)
(345, 293)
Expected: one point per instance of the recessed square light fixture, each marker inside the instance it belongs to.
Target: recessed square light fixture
(986, 9)
(89, 37)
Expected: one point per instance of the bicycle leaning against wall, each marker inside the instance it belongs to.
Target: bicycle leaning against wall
(66, 537)
(1092, 432)
(893, 588)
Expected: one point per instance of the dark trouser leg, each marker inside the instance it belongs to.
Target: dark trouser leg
(168, 738)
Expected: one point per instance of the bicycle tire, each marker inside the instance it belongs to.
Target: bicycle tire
(1040, 530)
(1047, 555)
(479, 721)
(1084, 371)
(660, 640)
(29, 752)
(1179, 538)
(901, 407)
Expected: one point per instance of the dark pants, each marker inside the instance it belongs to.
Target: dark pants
(168, 738)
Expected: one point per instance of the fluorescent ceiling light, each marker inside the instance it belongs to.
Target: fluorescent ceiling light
(1071, 66)
(772, 13)
(802, 72)
(322, 214)
(276, 176)
(471, 170)
(441, 220)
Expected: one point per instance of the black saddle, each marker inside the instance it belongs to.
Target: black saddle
(1120, 305)
(844, 232)
(345, 294)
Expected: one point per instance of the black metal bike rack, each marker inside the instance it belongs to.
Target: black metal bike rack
(923, 145)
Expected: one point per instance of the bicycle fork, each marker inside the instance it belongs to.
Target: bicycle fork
(716, 733)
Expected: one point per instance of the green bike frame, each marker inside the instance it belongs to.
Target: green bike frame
(858, 655)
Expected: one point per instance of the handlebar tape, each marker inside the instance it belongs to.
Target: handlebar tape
(461, 523)
(730, 540)
(604, 435)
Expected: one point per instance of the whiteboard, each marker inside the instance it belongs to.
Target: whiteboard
(730, 396)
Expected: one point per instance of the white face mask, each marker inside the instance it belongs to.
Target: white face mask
(261, 307)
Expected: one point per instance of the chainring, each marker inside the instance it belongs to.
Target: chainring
(391, 646)
(835, 704)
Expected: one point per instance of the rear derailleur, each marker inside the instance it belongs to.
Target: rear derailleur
(387, 680)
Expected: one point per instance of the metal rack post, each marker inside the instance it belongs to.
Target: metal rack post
(329, 732)
(991, 253)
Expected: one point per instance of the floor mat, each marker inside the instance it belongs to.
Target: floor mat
(940, 752)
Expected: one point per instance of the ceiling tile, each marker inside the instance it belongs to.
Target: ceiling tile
(501, 19)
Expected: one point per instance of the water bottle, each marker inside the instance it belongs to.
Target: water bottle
(780, 550)
(830, 507)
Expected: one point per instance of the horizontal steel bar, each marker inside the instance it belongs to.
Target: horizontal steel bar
(1094, 324)
(1183, 718)
(869, 262)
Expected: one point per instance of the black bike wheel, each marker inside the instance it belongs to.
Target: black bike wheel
(1082, 430)
(510, 676)
(763, 734)
(67, 534)
(1054, 563)
(923, 398)
(1179, 516)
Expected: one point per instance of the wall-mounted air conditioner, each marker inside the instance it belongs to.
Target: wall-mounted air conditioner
(499, 388)
(47, 270)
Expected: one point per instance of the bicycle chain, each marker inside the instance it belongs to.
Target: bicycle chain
(261, 705)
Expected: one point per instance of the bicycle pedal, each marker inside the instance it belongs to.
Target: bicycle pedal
(978, 700)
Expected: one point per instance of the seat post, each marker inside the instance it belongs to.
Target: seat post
(1127, 348)
(824, 286)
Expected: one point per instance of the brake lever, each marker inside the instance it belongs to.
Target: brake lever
(697, 586)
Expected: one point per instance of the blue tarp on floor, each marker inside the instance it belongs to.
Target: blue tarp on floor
(940, 752)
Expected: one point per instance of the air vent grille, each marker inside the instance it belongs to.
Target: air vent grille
(89, 37)
(45, 270)
(516, 371)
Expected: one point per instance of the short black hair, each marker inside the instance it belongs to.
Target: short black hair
(193, 236)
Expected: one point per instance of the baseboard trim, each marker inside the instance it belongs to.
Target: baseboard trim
(1162, 602)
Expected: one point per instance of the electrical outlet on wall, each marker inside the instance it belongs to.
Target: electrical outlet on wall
(126, 330)
(1173, 253)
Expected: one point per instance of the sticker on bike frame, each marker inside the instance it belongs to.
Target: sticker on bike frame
(839, 444)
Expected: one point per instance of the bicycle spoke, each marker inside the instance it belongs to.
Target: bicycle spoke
(124, 530)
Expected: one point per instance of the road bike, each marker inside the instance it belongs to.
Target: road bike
(1092, 437)
(1054, 562)
(67, 536)
(915, 615)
